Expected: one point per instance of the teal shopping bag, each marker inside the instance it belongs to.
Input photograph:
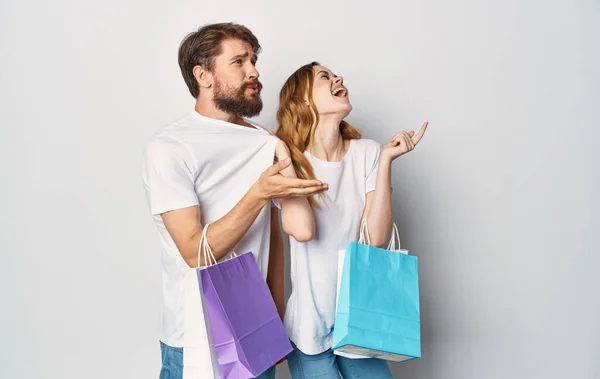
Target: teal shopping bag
(377, 311)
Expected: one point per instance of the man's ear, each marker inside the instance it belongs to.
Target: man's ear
(204, 78)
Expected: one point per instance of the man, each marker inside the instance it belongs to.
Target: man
(213, 166)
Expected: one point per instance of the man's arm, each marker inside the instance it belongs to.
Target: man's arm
(275, 279)
(186, 230)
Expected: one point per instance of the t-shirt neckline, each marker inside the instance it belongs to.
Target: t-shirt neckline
(329, 163)
(199, 116)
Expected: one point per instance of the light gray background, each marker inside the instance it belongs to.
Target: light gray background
(499, 201)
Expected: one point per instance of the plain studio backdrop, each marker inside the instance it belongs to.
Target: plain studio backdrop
(498, 201)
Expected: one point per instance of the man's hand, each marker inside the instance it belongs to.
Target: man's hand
(273, 185)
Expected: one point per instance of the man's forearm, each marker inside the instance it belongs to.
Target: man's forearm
(226, 232)
(186, 230)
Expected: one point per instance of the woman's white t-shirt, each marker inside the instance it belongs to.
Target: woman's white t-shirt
(310, 311)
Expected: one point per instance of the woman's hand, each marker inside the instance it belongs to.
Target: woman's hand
(402, 143)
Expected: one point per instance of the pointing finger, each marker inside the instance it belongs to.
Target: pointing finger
(419, 135)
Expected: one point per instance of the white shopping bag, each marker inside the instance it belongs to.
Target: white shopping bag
(199, 359)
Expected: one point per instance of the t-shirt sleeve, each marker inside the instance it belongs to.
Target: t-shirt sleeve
(372, 151)
(168, 177)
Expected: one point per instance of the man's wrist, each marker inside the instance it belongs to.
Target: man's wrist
(255, 195)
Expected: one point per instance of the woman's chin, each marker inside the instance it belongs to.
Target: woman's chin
(347, 109)
(341, 110)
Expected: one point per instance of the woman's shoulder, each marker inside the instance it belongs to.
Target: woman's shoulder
(367, 146)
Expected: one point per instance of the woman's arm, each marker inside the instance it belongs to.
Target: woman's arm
(378, 205)
(297, 216)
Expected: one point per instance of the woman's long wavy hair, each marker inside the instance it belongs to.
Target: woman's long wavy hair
(297, 122)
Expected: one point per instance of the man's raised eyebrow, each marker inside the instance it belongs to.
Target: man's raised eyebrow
(239, 56)
(245, 55)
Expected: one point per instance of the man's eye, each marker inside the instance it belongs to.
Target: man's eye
(326, 77)
(239, 61)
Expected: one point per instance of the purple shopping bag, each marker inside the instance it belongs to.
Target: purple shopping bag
(247, 333)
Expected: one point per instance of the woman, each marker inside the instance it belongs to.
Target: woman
(313, 105)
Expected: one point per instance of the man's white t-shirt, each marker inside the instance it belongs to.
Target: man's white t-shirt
(310, 311)
(211, 163)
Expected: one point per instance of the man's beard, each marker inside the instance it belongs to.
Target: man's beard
(235, 102)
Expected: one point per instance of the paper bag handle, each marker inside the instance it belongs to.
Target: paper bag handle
(204, 248)
(364, 238)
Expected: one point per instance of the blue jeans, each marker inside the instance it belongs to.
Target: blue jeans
(329, 366)
(172, 364)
